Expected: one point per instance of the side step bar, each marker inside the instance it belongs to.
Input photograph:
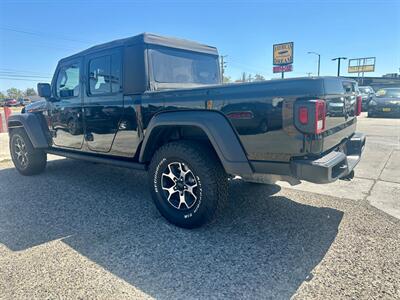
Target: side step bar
(97, 159)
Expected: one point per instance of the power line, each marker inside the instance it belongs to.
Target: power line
(48, 36)
(44, 35)
(50, 45)
(15, 71)
(246, 67)
(24, 76)
(21, 79)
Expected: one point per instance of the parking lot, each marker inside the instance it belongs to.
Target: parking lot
(83, 230)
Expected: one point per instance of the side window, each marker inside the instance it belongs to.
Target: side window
(104, 75)
(68, 81)
(115, 73)
(99, 75)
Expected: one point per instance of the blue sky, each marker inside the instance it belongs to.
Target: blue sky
(34, 35)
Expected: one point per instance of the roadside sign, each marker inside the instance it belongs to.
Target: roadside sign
(361, 65)
(280, 69)
(283, 54)
(360, 69)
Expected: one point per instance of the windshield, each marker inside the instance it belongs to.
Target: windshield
(178, 66)
(388, 93)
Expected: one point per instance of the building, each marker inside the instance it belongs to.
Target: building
(388, 80)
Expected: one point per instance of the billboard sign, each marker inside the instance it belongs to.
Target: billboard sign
(283, 54)
(361, 65)
(280, 69)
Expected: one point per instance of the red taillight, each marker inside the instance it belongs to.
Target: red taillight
(359, 105)
(310, 116)
(320, 116)
(303, 115)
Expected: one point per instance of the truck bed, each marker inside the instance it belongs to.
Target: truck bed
(263, 113)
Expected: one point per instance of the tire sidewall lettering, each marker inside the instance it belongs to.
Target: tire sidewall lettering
(156, 184)
(156, 175)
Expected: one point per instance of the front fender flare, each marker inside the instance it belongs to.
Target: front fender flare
(31, 123)
(217, 128)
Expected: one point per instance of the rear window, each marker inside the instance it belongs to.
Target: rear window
(365, 90)
(388, 93)
(178, 66)
(337, 86)
(349, 87)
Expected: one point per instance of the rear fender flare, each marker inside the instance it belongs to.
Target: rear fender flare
(218, 129)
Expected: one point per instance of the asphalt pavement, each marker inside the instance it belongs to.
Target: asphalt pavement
(84, 230)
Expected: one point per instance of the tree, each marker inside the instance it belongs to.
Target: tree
(259, 77)
(250, 78)
(2, 96)
(226, 79)
(14, 93)
(30, 92)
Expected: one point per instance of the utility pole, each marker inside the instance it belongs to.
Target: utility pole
(244, 77)
(319, 60)
(223, 66)
(338, 67)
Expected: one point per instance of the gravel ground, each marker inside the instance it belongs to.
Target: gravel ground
(82, 230)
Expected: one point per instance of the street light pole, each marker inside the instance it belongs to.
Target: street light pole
(319, 60)
(223, 66)
(338, 59)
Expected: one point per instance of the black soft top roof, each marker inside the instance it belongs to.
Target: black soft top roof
(151, 39)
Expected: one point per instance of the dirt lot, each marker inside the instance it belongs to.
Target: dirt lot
(91, 231)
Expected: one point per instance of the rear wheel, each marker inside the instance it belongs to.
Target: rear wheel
(27, 160)
(187, 182)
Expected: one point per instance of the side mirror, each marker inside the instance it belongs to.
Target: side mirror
(44, 90)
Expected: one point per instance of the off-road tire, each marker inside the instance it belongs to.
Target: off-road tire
(33, 161)
(211, 179)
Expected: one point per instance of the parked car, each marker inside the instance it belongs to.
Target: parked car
(336, 107)
(168, 113)
(24, 101)
(386, 102)
(11, 102)
(2, 102)
(366, 93)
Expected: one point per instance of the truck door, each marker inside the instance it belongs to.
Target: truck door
(103, 98)
(66, 108)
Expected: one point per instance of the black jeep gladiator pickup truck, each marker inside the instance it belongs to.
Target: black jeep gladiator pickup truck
(155, 103)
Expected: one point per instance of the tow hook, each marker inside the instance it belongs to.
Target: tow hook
(348, 177)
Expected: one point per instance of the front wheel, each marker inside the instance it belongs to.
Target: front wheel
(27, 160)
(187, 183)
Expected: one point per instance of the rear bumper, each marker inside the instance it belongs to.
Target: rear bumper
(332, 166)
